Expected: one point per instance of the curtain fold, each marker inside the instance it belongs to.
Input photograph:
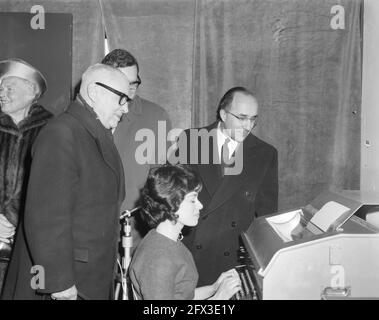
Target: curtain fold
(305, 74)
(160, 34)
(87, 33)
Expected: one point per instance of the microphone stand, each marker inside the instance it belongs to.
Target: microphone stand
(127, 245)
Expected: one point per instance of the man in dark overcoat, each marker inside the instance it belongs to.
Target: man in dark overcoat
(239, 172)
(76, 188)
(143, 115)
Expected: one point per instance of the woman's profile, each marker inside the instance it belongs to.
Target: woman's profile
(162, 267)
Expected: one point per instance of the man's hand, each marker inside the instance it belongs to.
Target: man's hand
(68, 294)
(7, 230)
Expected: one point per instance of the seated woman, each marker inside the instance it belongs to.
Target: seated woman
(162, 267)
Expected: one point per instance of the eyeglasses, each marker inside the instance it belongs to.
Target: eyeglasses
(252, 120)
(135, 84)
(123, 97)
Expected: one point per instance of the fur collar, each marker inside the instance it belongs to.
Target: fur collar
(37, 116)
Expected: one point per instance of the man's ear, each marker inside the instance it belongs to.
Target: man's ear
(222, 115)
(92, 91)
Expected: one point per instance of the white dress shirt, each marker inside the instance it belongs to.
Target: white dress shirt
(221, 137)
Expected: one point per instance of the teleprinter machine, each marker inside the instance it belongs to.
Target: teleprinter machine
(325, 250)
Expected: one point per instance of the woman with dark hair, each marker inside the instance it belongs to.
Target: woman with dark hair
(162, 267)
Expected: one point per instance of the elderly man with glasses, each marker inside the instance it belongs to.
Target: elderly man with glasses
(240, 182)
(75, 191)
(142, 115)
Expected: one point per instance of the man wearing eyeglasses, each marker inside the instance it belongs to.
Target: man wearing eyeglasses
(231, 198)
(143, 114)
(75, 191)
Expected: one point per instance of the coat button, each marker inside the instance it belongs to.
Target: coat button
(226, 253)
(198, 246)
(233, 224)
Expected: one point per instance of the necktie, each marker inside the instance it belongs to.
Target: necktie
(225, 156)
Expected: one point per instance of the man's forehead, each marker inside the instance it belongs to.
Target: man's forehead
(244, 104)
(130, 72)
(114, 79)
(120, 82)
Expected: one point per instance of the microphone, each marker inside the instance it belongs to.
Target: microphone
(127, 213)
(127, 245)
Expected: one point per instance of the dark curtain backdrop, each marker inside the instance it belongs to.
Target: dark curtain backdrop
(306, 75)
(87, 33)
(160, 34)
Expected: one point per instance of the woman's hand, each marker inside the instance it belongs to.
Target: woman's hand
(227, 285)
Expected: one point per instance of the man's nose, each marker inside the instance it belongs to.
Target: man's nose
(247, 125)
(199, 204)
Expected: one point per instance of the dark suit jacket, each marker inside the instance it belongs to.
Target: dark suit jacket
(74, 196)
(230, 204)
(142, 114)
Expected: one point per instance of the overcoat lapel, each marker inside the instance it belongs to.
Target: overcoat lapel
(103, 141)
(230, 184)
(210, 173)
(112, 159)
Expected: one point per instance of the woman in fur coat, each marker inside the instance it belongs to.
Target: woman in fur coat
(21, 118)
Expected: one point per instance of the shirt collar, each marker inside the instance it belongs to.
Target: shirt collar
(221, 137)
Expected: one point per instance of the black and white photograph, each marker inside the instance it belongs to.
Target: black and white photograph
(166, 150)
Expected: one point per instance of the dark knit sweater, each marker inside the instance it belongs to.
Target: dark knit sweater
(15, 159)
(163, 269)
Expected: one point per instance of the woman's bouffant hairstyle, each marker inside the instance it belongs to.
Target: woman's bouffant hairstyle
(164, 191)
